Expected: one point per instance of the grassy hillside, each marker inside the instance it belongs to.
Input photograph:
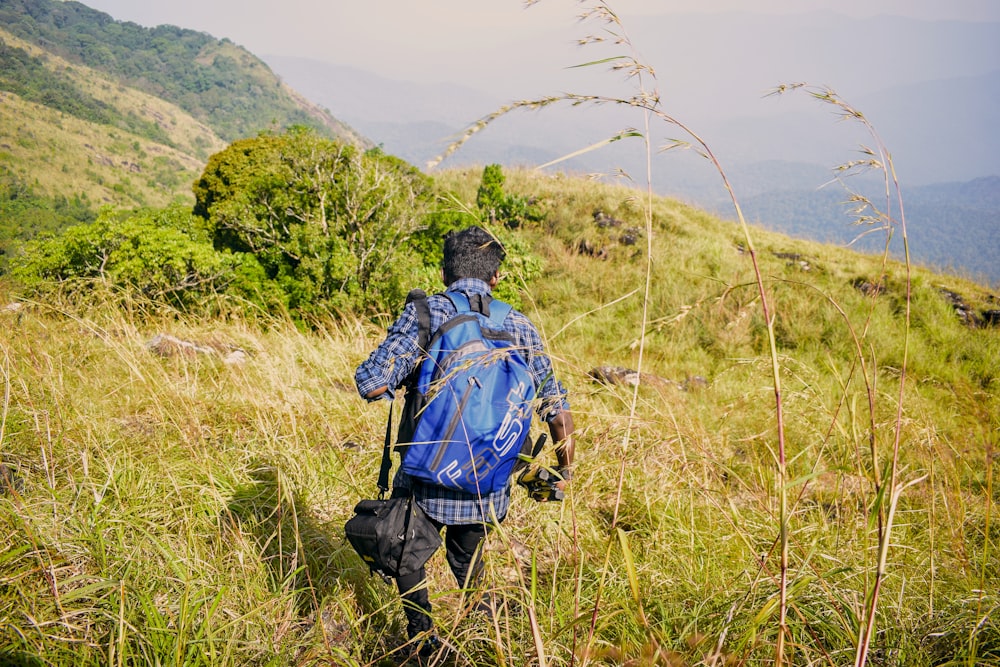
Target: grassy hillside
(172, 505)
(96, 112)
(64, 154)
(114, 113)
(103, 165)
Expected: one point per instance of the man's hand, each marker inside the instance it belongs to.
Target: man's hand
(567, 474)
(375, 393)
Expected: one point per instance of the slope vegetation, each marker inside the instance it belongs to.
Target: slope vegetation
(115, 113)
(177, 485)
(148, 162)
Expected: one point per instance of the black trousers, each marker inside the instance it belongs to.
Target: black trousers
(462, 545)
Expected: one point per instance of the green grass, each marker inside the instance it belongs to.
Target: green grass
(179, 510)
(183, 511)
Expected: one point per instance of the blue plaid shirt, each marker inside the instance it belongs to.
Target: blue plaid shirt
(393, 360)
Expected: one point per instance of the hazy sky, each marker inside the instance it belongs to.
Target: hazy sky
(442, 40)
(713, 70)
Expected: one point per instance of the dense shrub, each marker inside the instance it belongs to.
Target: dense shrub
(26, 214)
(163, 255)
(329, 223)
(497, 206)
(292, 223)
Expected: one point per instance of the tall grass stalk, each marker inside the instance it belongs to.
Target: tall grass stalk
(888, 487)
(990, 460)
(647, 102)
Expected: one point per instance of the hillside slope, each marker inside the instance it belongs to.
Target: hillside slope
(124, 115)
(67, 155)
(174, 502)
(216, 81)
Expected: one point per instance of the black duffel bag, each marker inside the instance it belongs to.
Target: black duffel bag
(393, 536)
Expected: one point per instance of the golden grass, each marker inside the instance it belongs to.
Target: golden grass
(180, 508)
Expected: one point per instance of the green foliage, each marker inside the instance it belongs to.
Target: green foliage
(522, 264)
(328, 223)
(490, 195)
(164, 256)
(497, 206)
(521, 268)
(27, 77)
(27, 215)
(292, 221)
(428, 241)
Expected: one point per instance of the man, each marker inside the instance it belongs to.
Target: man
(471, 266)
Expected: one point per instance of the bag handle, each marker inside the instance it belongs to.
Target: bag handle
(383, 472)
(493, 309)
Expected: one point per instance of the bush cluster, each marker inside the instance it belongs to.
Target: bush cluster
(289, 222)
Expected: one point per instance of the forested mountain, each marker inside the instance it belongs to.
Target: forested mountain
(217, 82)
(97, 112)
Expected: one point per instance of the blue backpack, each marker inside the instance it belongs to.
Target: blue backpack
(474, 392)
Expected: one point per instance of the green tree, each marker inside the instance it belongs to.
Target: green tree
(496, 206)
(328, 222)
(27, 214)
(490, 195)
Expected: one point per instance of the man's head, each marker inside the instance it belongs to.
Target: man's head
(471, 253)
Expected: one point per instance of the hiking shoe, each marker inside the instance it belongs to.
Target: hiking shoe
(423, 652)
(429, 646)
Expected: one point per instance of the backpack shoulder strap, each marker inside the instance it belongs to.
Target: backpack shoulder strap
(413, 401)
(423, 312)
(459, 300)
(499, 310)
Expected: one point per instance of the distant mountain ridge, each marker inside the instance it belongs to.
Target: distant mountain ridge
(952, 227)
(217, 82)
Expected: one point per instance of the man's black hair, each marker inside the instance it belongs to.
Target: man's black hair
(471, 253)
